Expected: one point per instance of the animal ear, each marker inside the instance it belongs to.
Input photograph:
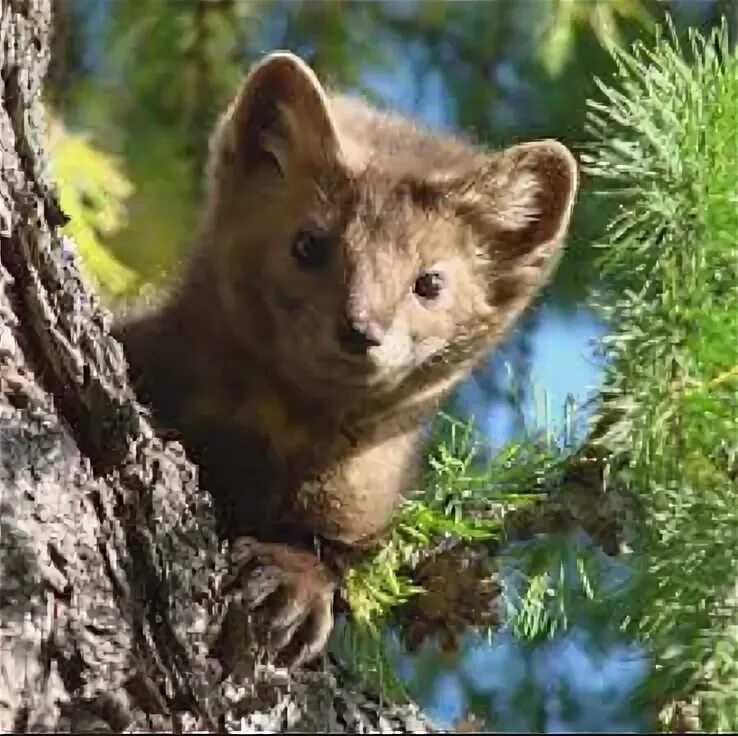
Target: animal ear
(520, 204)
(281, 114)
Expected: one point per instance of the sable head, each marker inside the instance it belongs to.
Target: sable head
(361, 251)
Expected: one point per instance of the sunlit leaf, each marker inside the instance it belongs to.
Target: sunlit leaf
(92, 192)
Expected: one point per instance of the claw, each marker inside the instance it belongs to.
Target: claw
(289, 614)
(289, 593)
(279, 639)
(259, 585)
(312, 636)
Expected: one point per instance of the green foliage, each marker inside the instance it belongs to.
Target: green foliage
(667, 151)
(559, 583)
(366, 653)
(464, 498)
(169, 70)
(602, 17)
(92, 192)
(421, 521)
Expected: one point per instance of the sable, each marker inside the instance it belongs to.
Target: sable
(352, 268)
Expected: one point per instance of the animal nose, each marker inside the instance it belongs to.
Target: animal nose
(356, 338)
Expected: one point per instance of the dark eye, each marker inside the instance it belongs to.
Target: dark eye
(311, 250)
(428, 285)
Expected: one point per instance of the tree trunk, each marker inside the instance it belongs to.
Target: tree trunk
(109, 562)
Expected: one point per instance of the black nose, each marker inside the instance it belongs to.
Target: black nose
(356, 339)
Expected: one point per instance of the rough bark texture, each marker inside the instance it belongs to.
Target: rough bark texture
(109, 562)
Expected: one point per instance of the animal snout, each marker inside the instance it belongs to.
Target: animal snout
(357, 337)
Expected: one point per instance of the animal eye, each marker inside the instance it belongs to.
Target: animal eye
(428, 285)
(311, 250)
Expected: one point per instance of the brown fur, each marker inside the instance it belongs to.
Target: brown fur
(295, 437)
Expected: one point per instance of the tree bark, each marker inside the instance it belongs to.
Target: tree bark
(110, 567)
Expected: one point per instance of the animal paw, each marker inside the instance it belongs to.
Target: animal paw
(289, 594)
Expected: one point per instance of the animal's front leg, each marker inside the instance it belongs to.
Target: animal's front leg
(289, 593)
